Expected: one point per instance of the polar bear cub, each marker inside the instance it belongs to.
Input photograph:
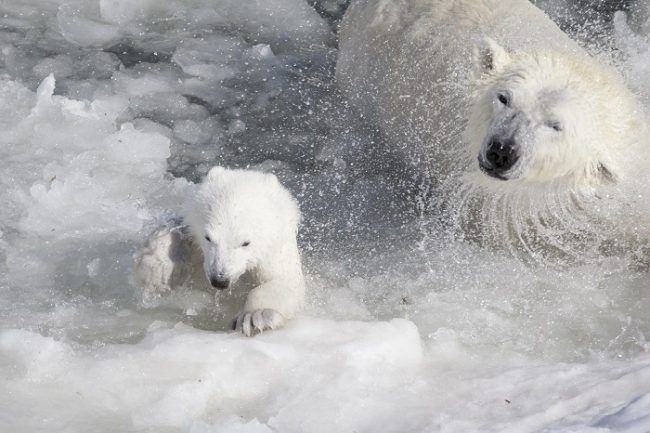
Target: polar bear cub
(239, 227)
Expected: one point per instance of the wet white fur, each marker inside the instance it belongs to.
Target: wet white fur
(233, 208)
(428, 74)
(417, 68)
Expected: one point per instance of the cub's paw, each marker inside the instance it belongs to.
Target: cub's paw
(155, 264)
(153, 273)
(253, 322)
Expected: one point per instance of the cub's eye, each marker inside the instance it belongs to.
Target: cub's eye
(207, 238)
(556, 126)
(245, 244)
(503, 99)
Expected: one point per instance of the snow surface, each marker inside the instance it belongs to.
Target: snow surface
(110, 109)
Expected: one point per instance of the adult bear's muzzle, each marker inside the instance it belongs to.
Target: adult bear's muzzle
(500, 156)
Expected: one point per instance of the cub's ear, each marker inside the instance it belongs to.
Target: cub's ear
(215, 172)
(489, 57)
(271, 179)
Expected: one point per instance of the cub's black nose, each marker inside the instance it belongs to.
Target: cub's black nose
(219, 283)
(501, 154)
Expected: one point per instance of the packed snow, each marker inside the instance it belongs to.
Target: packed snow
(110, 110)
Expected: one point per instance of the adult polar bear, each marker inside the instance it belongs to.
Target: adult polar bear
(478, 92)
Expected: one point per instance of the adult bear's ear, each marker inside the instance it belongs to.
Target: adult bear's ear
(215, 172)
(489, 57)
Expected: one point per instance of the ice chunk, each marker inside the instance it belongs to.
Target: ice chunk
(209, 57)
(36, 357)
(121, 12)
(634, 417)
(83, 31)
(44, 92)
(197, 133)
(60, 66)
(96, 64)
(208, 376)
(212, 94)
(17, 102)
(166, 108)
(83, 189)
(146, 80)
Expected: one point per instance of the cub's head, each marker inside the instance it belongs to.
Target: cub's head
(544, 117)
(240, 218)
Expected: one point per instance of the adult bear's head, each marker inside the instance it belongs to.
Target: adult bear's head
(546, 117)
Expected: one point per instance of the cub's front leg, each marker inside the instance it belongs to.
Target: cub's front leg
(269, 306)
(165, 261)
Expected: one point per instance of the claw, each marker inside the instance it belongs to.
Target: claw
(246, 325)
(257, 321)
(270, 319)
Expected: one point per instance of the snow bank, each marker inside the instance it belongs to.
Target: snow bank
(186, 380)
(315, 375)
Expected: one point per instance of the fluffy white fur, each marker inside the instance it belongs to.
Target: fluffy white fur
(241, 229)
(450, 81)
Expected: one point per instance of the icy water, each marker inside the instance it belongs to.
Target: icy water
(110, 109)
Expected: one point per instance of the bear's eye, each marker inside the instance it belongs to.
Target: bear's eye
(207, 238)
(245, 244)
(556, 126)
(503, 99)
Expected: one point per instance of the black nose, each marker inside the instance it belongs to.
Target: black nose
(501, 154)
(219, 283)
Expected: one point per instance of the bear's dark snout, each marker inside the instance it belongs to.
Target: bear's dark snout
(500, 156)
(219, 282)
